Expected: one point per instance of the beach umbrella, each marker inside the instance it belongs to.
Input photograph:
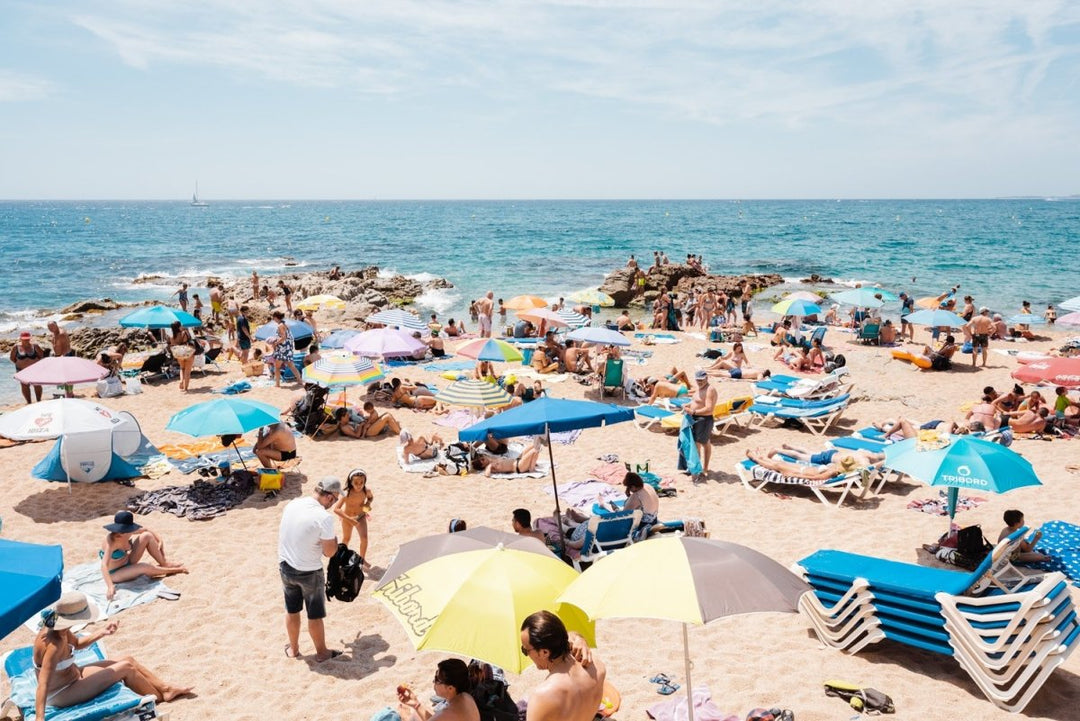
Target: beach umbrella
(158, 316)
(863, 297)
(29, 581)
(1070, 319)
(593, 297)
(385, 343)
(545, 416)
(398, 318)
(803, 295)
(490, 349)
(546, 315)
(337, 338)
(1051, 371)
(691, 580)
(1026, 319)
(224, 416)
(342, 369)
(421, 550)
(601, 335)
(572, 318)
(795, 306)
(525, 302)
(1071, 304)
(297, 328)
(317, 302)
(473, 603)
(936, 318)
(960, 462)
(61, 370)
(473, 393)
(52, 419)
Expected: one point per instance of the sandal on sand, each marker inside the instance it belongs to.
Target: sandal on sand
(331, 657)
(289, 653)
(668, 688)
(661, 678)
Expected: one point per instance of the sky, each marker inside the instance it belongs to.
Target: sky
(508, 99)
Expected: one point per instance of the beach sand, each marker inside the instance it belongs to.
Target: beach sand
(226, 634)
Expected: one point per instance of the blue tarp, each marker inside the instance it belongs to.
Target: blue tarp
(547, 414)
(29, 581)
(49, 468)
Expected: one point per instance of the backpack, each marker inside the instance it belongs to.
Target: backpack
(344, 574)
(864, 700)
(457, 457)
(490, 693)
(971, 547)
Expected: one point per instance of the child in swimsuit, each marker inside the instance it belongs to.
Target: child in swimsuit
(353, 509)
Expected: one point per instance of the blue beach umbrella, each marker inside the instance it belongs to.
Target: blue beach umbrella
(337, 338)
(29, 581)
(1026, 319)
(961, 462)
(598, 334)
(223, 416)
(158, 316)
(543, 417)
(297, 328)
(865, 297)
(796, 306)
(938, 318)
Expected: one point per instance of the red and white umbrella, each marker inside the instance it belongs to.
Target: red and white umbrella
(63, 370)
(1052, 371)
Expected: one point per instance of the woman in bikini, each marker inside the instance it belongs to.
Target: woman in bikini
(121, 553)
(525, 463)
(407, 395)
(419, 447)
(180, 345)
(24, 354)
(706, 308)
(737, 359)
(61, 683)
(375, 423)
(353, 509)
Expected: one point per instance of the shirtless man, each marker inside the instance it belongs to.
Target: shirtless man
(981, 328)
(217, 297)
(275, 443)
(624, 322)
(577, 360)
(823, 458)
(839, 464)
(484, 308)
(521, 522)
(574, 686)
(61, 341)
(700, 409)
(1029, 421)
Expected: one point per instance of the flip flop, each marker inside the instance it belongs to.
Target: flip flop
(289, 653)
(661, 678)
(331, 657)
(668, 688)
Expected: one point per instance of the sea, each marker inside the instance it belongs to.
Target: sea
(1002, 251)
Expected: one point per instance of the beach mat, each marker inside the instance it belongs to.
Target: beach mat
(583, 494)
(1061, 541)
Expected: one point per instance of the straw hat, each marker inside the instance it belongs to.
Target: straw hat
(123, 522)
(72, 609)
(847, 463)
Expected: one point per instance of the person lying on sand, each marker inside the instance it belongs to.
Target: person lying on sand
(1028, 421)
(841, 463)
(525, 463)
(419, 448)
(746, 374)
(411, 396)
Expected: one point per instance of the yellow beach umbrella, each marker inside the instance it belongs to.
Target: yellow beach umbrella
(593, 297)
(316, 302)
(473, 603)
(525, 302)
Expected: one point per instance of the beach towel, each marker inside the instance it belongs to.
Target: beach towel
(530, 372)
(939, 506)
(180, 451)
(1061, 541)
(458, 418)
(200, 501)
(458, 365)
(418, 465)
(689, 459)
(582, 494)
(212, 460)
(613, 473)
(675, 708)
(657, 338)
(232, 389)
(87, 578)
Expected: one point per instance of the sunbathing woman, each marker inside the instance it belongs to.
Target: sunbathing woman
(840, 464)
(657, 388)
(375, 423)
(339, 421)
(737, 359)
(419, 448)
(745, 374)
(353, 509)
(897, 429)
(121, 553)
(61, 683)
(525, 463)
(410, 397)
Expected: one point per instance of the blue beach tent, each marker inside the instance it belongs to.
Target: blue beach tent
(29, 581)
(50, 468)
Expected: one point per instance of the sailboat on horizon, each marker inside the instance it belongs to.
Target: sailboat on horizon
(195, 198)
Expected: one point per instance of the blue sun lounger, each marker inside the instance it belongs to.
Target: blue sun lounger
(816, 415)
(1008, 629)
(116, 703)
(755, 478)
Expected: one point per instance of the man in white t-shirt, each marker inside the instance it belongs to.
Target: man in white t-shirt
(305, 537)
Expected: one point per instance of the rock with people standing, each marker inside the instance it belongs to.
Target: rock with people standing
(677, 277)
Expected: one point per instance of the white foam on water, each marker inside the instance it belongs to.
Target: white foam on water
(387, 273)
(419, 277)
(439, 300)
(28, 319)
(855, 283)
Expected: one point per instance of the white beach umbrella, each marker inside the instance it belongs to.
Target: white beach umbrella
(52, 419)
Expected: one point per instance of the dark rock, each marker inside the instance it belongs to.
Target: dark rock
(88, 306)
(679, 278)
(816, 279)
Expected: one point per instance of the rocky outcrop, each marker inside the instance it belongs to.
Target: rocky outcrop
(619, 284)
(91, 306)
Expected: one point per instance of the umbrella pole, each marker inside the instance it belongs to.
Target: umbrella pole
(555, 487)
(689, 665)
(239, 455)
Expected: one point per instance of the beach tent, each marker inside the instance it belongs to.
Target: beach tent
(29, 581)
(84, 458)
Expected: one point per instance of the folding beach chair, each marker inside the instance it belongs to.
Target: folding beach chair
(609, 532)
(869, 334)
(647, 417)
(817, 416)
(730, 413)
(755, 478)
(818, 335)
(613, 377)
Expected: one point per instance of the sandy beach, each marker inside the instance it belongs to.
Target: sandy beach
(225, 634)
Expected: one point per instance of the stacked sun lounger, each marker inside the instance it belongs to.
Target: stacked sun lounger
(1006, 628)
(829, 385)
(817, 416)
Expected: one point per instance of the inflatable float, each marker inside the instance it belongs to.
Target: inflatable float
(918, 360)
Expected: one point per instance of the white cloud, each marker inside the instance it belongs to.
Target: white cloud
(20, 87)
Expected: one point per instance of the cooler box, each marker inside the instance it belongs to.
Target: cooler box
(270, 479)
(526, 356)
(716, 336)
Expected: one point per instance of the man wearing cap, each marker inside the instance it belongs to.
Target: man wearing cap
(24, 354)
(307, 535)
(700, 409)
(981, 327)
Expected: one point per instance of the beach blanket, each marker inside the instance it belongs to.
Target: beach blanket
(1061, 541)
(417, 465)
(212, 460)
(613, 473)
(939, 506)
(583, 494)
(675, 708)
(531, 372)
(656, 338)
(232, 389)
(459, 419)
(200, 501)
(441, 366)
(180, 451)
(87, 578)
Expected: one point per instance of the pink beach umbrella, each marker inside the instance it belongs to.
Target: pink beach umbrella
(384, 343)
(1070, 319)
(549, 317)
(1052, 371)
(65, 370)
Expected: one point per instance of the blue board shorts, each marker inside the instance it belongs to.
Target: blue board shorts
(824, 458)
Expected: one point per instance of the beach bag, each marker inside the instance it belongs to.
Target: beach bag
(110, 387)
(344, 574)
(971, 547)
(457, 459)
(490, 691)
(865, 700)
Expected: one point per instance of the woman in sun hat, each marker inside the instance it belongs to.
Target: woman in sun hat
(62, 683)
(121, 553)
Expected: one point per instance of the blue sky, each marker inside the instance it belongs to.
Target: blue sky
(542, 99)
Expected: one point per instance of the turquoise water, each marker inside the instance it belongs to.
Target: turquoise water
(1002, 251)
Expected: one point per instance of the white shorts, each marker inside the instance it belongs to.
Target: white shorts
(485, 322)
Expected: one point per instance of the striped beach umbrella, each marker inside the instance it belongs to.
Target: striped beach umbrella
(593, 297)
(342, 369)
(490, 349)
(473, 393)
(398, 318)
(572, 318)
(316, 302)
(1070, 319)
(525, 302)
